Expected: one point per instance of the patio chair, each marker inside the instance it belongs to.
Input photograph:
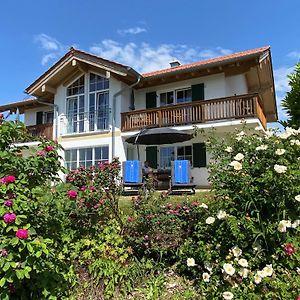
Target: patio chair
(132, 176)
(181, 179)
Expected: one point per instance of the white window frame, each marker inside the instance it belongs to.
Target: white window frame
(174, 91)
(93, 155)
(96, 94)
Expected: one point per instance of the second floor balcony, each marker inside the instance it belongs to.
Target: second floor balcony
(85, 122)
(41, 130)
(228, 108)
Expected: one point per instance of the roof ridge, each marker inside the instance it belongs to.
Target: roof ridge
(210, 60)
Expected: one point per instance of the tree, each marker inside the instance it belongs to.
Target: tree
(291, 102)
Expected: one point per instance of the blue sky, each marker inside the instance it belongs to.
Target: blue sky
(143, 34)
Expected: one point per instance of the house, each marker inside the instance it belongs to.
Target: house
(91, 105)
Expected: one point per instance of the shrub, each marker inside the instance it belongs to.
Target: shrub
(248, 241)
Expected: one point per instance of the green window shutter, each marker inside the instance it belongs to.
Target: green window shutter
(198, 92)
(151, 100)
(39, 117)
(199, 155)
(151, 156)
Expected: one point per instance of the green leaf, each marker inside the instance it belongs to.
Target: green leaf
(6, 266)
(29, 247)
(2, 281)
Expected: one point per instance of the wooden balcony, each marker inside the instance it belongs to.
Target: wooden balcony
(237, 107)
(41, 130)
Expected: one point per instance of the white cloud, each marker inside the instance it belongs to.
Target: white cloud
(281, 79)
(294, 55)
(133, 30)
(281, 88)
(53, 48)
(145, 58)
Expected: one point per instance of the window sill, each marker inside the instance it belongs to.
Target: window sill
(66, 135)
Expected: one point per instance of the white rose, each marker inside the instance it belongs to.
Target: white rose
(284, 135)
(286, 223)
(221, 214)
(261, 274)
(244, 273)
(236, 165)
(257, 279)
(228, 149)
(229, 269)
(281, 227)
(280, 169)
(236, 251)
(268, 270)
(205, 277)
(261, 147)
(297, 198)
(227, 295)
(243, 262)
(239, 157)
(295, 224)
(190, 262)
(295, 142)
(203, 205)
(210, 220)
(280, 151)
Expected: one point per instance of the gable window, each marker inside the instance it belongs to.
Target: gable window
(86, 157)
(98, 103)
(75, 106)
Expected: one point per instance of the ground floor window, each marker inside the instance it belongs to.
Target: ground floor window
(185, 152)
(85, 157)
(167, 155)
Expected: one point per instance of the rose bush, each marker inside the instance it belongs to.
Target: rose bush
(248, 240)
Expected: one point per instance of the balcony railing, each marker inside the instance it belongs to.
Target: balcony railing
(237, 107)
(41, 130)
(85, 122)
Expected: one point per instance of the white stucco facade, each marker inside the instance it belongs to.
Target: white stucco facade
(215, 86)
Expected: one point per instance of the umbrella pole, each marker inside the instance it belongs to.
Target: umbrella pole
(138, 151)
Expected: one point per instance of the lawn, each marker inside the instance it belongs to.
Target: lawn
(125, 202)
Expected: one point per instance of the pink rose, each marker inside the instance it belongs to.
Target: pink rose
(83, 188)
(289, 249)
(41, 153)
(9, 218)
(22, 234)
(8, 179)
(72, 194)
(49, 148)
(8, 203)
(129, 219)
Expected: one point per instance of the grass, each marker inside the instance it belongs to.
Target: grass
(125, 202)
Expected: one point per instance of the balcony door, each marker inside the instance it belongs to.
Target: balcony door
(75, 106)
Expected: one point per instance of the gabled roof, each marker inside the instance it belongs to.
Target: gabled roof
(120, 70)
(234, 57)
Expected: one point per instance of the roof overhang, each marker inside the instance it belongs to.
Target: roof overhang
(72, 64)
(21, 105)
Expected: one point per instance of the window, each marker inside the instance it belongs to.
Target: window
(166, 157)
(85, 157)
(185, 152)
(75, 106)
(48, 117)
(98, 103)
(184, 95)
(166, 98)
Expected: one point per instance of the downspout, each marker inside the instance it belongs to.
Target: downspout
(113, 111)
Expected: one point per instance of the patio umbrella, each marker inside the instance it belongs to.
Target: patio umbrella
(159, 136)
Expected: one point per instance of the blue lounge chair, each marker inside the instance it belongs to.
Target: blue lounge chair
(181, 179)
(132, 176)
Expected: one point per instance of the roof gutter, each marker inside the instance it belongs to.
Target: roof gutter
(113, 111)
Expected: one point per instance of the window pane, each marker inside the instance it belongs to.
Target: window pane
(67, 155)
(105, 152)
(82, 154)
(89, 155)
(98, 83)
(77, 87)
(188, 150)
(180, 151)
